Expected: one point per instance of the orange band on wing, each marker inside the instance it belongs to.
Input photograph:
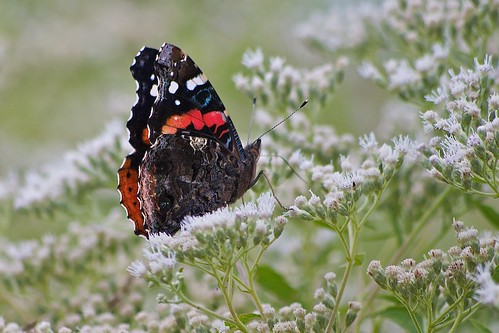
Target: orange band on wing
(128, 186)
(216, 118)
(195, 118)
(145, 136)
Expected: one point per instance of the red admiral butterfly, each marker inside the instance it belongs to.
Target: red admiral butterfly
(188, 157)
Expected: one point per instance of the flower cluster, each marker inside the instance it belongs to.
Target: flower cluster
(277, 83)
(430, 35)
(219, 244)
(90, 165)
(39, 271)
(443, 278)
(354, 201)
(344, 189)
(464, 149)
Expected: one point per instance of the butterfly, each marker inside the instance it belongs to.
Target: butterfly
(188, 159)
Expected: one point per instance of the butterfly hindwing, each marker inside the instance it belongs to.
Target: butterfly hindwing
(128, 175)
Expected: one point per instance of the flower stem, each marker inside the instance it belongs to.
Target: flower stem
(225, 286)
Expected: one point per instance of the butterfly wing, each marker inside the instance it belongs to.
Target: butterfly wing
(185, 175)
(188, 102)
(128, 175)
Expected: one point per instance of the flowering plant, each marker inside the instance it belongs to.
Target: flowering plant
(370, 204)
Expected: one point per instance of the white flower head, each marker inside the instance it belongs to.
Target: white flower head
(438, 96)
(368, 142)
(425, 64)
(486, 66)
(253, 59)
(453, 150)
(137, 268)
(402, 76)
(369, 71)
(488, 290)
(276, 64)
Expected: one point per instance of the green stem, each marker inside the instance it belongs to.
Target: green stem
(351, 252)
(458, 302)
(411, 312)
(225, 286)
(458, 319)
(207, 311)
(251, 288)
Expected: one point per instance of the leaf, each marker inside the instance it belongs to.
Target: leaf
(495, 275)
(247, 317)
(358, 259)
(275, 283)
(399, 316)
(478, 327)
(489, 213)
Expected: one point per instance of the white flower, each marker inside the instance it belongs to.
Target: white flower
(486, 66)
(402, 75)
(493, 102)
(426, 63)
(437, 96)
(268, 310)
(266, 204)
(50, 181)
(253, 59)
(276, 64)
(314, 199)
(219, 325)
(451, 125)
(137, 268)
(346, 165)
(368, 142)
(158, 261)
(473, 140)
(241, 82)
(488, 290)
(284, 326)
(369, 71)
(453, 151)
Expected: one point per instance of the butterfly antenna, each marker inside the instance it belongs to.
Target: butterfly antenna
(285, 119)
(251, 120)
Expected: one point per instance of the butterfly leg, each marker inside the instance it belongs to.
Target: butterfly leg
(264, 175)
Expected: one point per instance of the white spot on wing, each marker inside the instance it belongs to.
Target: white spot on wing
(173, 87)
(177, 102)
(200, 79)
(196, 81)
(154, 90)
(191, 85)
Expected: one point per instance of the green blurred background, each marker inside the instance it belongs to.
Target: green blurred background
(64, 63)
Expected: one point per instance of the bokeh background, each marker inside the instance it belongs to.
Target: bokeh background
(64, 64)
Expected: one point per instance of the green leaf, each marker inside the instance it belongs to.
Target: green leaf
(478, 327)
(247, 317)
(399, 316)
(495, 275)
(489, 213)
(275, 283)
(358, 259)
